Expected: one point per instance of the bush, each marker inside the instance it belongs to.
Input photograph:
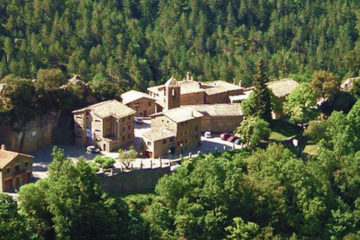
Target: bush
(104, 162)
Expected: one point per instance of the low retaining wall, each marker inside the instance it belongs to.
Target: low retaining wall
(136, 180)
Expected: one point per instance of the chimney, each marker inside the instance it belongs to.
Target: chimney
(187, 76)
(240, 83)
(3, 147)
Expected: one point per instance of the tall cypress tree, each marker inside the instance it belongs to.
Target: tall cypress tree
(261, 105)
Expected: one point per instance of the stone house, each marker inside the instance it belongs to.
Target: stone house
(190, 92)
(142, 103)
(218, 118)
(15, 169)
(174, 131)
(108, 125)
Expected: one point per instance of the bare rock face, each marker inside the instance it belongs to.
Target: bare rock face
(36, 134)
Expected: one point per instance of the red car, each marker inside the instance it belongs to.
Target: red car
(225, 136)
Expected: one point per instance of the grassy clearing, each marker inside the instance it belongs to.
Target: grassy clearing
(282, 130)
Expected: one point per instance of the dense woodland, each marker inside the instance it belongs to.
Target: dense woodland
(119, 45)
(136, 43)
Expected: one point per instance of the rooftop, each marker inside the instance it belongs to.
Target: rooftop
(133, 95)
(108, 108)
(182, 114)
(282, 87)
(156, 134)
(7, 156)
(216, 110)
(219, 86)
(191, 86)
(241, 97)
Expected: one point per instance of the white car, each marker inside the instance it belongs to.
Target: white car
(92, 150)
(207, 134)
(138, 120)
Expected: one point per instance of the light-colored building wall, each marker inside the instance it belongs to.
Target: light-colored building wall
(143, 107)
(108, 134)
(188, 135)
(160, 147)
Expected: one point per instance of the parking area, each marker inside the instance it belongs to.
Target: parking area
(74, 152)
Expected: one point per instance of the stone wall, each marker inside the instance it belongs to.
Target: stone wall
(137, 180)
(192, 98)
(144, 107)
(41, 132)
(220, 124)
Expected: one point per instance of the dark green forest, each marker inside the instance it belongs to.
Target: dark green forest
(136, 43)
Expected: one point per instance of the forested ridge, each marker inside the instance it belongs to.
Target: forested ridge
(134, 43)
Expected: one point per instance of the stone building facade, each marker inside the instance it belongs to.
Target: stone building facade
(142, 103)
(175, 131)
(108, 125)
(15, 169)
(190, 92)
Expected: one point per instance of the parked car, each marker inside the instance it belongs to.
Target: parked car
(232, 138)
(92, 150)
(225, 136)
(138, 120)
(238, 141)
(207, 134)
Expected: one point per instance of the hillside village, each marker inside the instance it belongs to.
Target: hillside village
(178, 114)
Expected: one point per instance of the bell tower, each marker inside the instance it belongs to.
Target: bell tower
(172, 94)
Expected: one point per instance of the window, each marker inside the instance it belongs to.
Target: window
(123, 119)
(7, 170)
(129, 127)
(123, 129)
(148, 143)
(171, 139)
(167, 121)
(173, 92)
(149, 103)
(97, 130)
(79, 117)
(17, 168)
(26, 164)
(129, 136)
(185, 140)
(196, 128)
(164, 141)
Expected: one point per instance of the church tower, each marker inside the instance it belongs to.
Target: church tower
(172, 94)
